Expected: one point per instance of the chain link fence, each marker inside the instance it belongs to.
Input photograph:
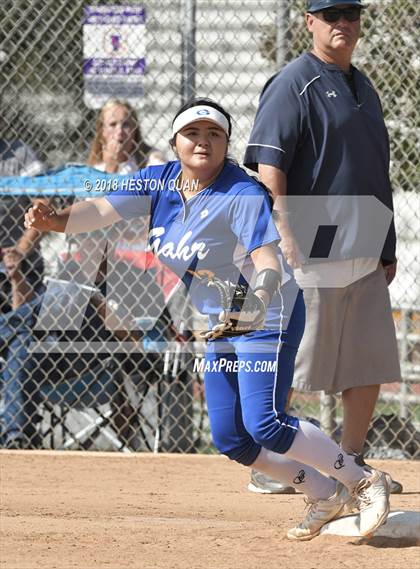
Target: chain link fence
(60, 63)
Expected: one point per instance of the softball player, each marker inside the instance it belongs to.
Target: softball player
(202, 207)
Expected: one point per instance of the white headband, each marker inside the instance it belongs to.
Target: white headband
(200, 113)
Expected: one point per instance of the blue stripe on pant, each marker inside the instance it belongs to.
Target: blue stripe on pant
(246, 396)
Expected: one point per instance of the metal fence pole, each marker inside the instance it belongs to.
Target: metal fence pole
(282, 33)
(188, 50)
(327, 413)
(404, 355)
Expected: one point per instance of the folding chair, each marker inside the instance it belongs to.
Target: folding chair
(165, 406)
(90, 391)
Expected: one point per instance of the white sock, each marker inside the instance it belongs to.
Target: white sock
(301, 476)
(312, 446)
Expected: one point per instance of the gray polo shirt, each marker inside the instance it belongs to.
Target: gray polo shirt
(310, 125)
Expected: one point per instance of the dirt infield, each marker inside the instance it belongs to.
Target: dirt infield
(96, 510)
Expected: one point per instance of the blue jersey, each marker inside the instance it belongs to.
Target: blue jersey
(200, 234)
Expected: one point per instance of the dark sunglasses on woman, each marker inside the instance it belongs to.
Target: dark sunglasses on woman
(332, 15)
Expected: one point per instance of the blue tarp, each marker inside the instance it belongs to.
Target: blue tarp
(73, 180)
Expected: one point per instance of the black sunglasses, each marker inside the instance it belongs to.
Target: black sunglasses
(332, 15)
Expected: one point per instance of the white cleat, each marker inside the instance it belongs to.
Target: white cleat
(372, 498)
(320, 512)
(263, 484)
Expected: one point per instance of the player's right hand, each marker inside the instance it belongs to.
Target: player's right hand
(40, 216)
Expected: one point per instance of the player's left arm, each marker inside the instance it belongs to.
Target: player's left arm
(268, 270)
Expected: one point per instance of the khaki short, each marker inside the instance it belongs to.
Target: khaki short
(349, 337)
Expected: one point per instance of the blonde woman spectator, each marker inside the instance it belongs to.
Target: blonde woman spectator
(118, 146)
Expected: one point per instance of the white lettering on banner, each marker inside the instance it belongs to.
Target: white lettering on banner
(181, 251)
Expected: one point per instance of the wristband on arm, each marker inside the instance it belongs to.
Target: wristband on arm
(269, 281)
